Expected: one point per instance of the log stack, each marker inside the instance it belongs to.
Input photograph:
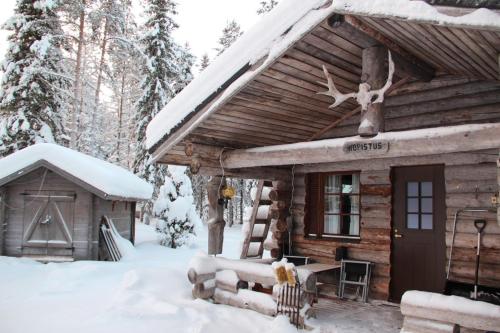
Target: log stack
(233, 282)
(279, 211)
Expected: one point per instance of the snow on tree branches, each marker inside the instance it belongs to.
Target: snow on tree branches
(230, 34)
(174, 208)
(166, 72)
(35, 82)
(266, 6)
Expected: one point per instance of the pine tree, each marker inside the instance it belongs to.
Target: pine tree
(35, 84)
(204, 62)
(160, 72)
(230, 34)
(167, 72)
(177, 218)
(266, 6)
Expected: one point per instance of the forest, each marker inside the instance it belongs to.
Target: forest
(90, 75)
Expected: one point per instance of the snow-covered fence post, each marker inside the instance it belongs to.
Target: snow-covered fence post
(215, 221)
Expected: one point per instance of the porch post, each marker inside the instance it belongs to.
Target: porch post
(215, 221)
(375, 74)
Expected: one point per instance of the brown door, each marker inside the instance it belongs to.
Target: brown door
(418, 234)
(48, 223)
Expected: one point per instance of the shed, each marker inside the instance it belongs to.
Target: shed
(52, 199)
(384, 181)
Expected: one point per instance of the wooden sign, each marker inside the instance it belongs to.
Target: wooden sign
(366, 147)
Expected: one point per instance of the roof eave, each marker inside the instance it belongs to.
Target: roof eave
(44, 163)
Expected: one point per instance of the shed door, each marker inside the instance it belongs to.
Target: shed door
(48, 223)
(418, 235)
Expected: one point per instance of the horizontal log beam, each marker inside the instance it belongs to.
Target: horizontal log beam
(247, 173)
(419, 142)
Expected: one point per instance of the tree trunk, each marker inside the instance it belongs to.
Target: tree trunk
(120, 114)
(99, 78)
(78, 78)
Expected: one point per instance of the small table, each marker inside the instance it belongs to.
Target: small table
(318, 268)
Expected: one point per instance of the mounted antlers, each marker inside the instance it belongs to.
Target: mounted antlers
(364, 96)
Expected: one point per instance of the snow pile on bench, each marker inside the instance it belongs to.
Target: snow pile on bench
(430, 312)
(109, 179)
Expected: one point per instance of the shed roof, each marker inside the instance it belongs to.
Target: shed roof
(262, 46)
(97, 176)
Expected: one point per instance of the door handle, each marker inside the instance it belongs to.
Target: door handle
(396, 234)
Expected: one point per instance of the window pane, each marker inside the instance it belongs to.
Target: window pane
(332, 204)
(347, 184)
(412, 221)
(426, 221)
(355, 183)
(426, 205)
(332, 225)
(412, 205)
(412, 189)
(354, 225)
(354, 204)
(332, 184)
(426, 189)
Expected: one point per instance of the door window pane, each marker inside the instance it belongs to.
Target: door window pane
(412, 205)
(426, 189)
(426, 221)
(412, 221)
(426, 205)
(412, 189)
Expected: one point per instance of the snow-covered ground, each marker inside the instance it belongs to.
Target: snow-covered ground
(148, 291)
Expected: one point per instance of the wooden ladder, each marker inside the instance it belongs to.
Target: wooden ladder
(251, 240)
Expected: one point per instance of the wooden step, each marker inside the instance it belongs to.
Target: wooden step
(261, 222)
(257, 239)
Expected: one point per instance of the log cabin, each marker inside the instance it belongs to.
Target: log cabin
(52, 200)
(378, 122)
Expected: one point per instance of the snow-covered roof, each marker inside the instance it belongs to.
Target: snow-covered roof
(102, 178)
(268, 40)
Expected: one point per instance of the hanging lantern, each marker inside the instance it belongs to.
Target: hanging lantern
(228, 192)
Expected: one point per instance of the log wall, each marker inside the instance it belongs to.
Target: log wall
(375, 229)
(471, 180)
(53, 182)
(445, 100)
(88, 210)
(473, 186)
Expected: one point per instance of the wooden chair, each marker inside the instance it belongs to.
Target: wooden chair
(360, 271)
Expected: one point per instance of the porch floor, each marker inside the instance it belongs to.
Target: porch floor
(346, 316)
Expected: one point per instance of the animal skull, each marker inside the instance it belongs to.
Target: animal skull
(364, 96)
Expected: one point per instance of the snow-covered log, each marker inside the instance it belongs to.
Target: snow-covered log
(263, 273)
(431, 312)
(195, 277)
(228, 280)
(204, 290)
(418, 142)
(247, 299)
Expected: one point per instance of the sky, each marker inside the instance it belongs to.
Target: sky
(200, 21)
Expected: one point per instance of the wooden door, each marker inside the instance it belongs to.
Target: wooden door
(418, 231)
(48, 223)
